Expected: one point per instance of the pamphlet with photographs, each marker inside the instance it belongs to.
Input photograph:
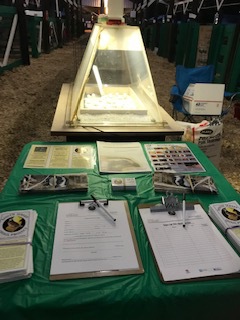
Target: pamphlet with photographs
(61, 156)
(32, 183)
(183, 183)
(173, 158)
(227, 216)
(16, 233)
(120, 157)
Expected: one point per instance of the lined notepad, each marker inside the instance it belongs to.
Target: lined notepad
(198, 250)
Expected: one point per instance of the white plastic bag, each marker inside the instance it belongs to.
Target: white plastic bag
(207, 135)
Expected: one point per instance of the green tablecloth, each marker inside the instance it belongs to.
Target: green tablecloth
(122, 297)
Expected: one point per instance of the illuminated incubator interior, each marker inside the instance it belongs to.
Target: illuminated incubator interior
(113, 85)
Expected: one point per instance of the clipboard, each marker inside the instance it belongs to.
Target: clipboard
(106, 273)
(192, 279)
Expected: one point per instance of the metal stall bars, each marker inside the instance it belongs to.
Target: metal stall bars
(13, 37)
(10, 55)
(34, 24)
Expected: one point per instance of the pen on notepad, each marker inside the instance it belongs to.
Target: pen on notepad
(98, 203)
(184, 210)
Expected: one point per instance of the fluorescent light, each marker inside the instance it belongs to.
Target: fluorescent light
(98, 79)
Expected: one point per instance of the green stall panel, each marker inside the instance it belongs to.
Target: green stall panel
(33, 24)
(148, 36)
(233, 82)
(7, 11)
(11, 66)
(223, 45)
(145, 34)
(163, 40)
(171, 54)
(158, 25)
(187, 42)
(181, 42)
(153, 36)
(215, 43)
(158, 34)
(191, 44)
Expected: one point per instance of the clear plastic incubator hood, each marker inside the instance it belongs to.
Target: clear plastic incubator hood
(113, 91)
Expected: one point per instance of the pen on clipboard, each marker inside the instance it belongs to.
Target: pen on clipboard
(98, 203)
(184, 211)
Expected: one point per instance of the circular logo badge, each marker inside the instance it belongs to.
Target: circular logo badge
(14, 224)
(231, 214)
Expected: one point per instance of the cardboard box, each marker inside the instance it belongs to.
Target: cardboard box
(204, 99)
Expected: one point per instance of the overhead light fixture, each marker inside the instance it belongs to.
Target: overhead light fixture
(106, 6)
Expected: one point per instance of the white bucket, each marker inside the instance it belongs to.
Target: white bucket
(207, 135)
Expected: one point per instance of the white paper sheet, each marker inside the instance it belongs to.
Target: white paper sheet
(88, 241)
(198, 250)
(119, 157)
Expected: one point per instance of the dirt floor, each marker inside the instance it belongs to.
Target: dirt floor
(29, 96)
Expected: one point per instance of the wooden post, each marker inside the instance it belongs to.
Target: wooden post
(22, 23)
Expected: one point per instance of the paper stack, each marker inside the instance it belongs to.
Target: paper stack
(16, 233)
(32, 183)
(183, 183)
(227, 216)
(120, 184)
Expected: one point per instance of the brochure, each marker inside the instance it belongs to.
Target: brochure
(173, 158)
(16, 233)
(61, 156)
(32, 183)
(227, 216)
(183, 183)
